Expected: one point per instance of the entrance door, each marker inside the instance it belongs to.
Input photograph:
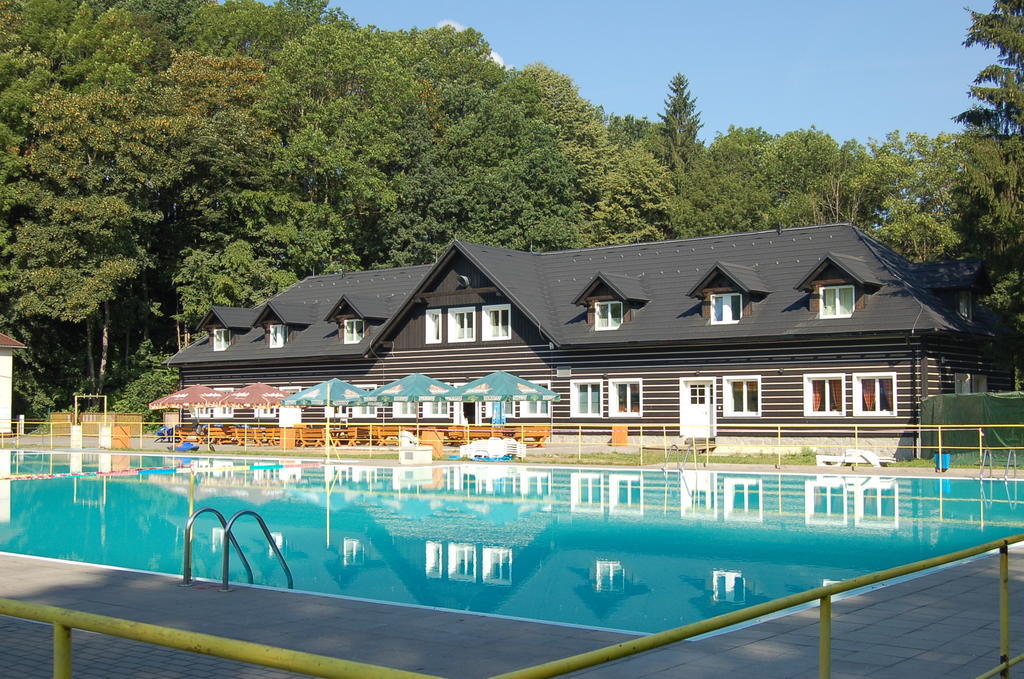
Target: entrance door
(696, 408)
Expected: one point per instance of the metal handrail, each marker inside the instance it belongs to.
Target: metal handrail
(270, 540)
(311, 664)
(823, 595)
(186, 568)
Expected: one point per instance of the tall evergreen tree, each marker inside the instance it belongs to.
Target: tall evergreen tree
(993, 222)
(680, 123)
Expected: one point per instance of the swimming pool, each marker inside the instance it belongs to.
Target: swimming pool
(614, 548)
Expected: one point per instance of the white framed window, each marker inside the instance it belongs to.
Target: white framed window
(607, 315)
(969, 383)
(266, 412)
(222, 413)
(365, 411)
(353, 330)
(742, 396)
(278, 334)
(404, 410)
(462, 324)
(836, 301)
(433, 325)
(965, 304)
(585, 398)
(625, 398)
(874, 394)
(497, 320)
(825, 394)
(727, 308)
(202, 413)
(437, 409)
(221, 339)
(536, 408)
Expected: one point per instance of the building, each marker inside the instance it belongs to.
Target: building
(817, 329)
(8, 345)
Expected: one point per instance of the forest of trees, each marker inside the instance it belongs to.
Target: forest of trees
(160, 156)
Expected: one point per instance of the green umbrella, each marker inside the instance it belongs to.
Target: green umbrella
(502, 386)
(333, 392)
(415, 388)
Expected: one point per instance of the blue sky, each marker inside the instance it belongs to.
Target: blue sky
(853, 68)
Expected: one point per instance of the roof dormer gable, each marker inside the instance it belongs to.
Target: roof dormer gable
(613, 286)
(356, 306)
(292, 315)
(838, 269)
(231, 318)
(728, 277)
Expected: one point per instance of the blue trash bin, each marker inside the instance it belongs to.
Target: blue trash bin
(942, 462)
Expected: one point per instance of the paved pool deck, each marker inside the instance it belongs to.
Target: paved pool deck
(943, 624)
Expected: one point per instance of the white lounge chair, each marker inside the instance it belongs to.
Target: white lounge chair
(493, 447)
(853, 456)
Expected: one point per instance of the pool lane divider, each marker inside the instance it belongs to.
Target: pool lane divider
(146, 471)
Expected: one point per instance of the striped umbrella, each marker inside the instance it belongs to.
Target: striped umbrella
(257, 395)
(196, 395)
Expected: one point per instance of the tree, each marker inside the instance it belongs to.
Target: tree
(993, 187)
(680, 122)
(918, 177)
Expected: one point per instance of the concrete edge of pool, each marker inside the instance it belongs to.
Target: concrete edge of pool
(942, 623)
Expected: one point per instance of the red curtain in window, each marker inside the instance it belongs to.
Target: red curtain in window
(835, 388)
(818, 395)
(885, 388)
(867, 390)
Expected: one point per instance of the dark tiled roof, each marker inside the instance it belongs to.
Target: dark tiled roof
(952, 274)
(544, 287)
(745, 277)
(317, 294)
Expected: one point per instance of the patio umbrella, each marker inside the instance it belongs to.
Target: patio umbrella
(333, 392)
(417, 388)
(196, 395)
(501, 387)
(256, 395)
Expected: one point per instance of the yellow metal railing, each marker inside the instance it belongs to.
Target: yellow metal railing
(821, 595)
(652, 442)
(65, 620)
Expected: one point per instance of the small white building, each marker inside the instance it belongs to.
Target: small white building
(7, 347)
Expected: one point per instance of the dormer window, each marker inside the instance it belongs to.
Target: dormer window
(353, 331)
(607, 315)
(277, 335)
(727, 308)
(221, 339)
(965, 304)
(836, 301)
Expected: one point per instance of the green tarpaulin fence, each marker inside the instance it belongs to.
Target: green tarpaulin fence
(972, 422)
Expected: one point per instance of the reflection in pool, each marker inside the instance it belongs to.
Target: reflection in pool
(615, 548)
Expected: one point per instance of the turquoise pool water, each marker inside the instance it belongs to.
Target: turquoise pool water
(616, 548)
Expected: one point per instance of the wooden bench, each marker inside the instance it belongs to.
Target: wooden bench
(309, 437)
(225, 434)
(533, 436)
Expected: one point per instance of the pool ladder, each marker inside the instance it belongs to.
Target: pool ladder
(229, 539)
